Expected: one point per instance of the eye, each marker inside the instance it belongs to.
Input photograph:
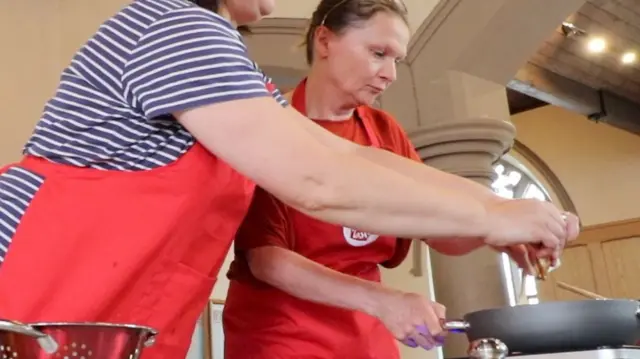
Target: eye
(379, 54)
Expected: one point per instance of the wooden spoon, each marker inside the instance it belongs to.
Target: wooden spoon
(579, 291)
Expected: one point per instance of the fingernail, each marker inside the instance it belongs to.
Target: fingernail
(422, 329)
(410, 343)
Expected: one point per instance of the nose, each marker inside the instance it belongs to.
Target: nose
(388, 72)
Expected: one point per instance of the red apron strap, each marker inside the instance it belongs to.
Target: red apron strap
(368, 126)
(298, 100)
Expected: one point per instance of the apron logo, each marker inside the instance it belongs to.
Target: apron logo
(358, 238)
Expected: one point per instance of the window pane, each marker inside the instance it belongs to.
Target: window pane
(512, 182)
(533, 191)
(507, 179)
(530, 286)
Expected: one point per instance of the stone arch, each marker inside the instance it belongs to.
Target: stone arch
(543, 172)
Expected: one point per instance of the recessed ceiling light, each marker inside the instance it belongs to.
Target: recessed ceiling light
(596, 45)
(628, 58)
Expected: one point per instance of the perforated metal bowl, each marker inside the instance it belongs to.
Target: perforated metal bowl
(73, 340)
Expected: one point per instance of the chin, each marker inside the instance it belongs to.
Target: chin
(267, 7)
(245, 12)
(366, 100)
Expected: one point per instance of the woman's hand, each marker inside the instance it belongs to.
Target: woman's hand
(411, 318)
(525, 256)
(526, 221)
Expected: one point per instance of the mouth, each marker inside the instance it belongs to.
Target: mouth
(376, 90)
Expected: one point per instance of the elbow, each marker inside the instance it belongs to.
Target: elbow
(317, 189)
(316, 196)
(263, 263)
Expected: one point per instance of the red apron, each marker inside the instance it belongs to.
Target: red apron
(124, 247)
(262, 322)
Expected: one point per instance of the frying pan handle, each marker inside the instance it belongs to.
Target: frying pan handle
(455, 325)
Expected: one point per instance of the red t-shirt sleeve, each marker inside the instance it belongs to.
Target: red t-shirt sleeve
(396, 140)
(266, 224)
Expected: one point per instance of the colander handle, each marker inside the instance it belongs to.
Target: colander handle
(46, 342)
(150, 340)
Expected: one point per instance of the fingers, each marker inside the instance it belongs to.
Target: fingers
(436, 318)
(432, 329)
(524, 257)
(427, 331)
(572, 226)
(555, 225)
(423, 337)
(546, 252)
(409, 342)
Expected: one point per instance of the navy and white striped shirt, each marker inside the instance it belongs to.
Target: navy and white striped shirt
(112, 109)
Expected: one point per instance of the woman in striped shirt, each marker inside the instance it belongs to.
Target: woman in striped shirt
(145, 160)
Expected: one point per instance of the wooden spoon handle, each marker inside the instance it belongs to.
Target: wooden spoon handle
(579, 291)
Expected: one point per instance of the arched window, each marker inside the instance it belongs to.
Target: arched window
(515, 181)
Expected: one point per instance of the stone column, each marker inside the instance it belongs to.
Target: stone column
(475, 134)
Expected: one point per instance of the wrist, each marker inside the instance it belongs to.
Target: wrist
(377, 298)
(489, 203)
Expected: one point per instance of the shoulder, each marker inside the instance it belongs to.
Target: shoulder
(140, 15)
(187, 17)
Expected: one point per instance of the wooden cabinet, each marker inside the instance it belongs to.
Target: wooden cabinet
(605, 259)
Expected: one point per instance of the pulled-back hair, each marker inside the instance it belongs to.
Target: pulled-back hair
(338, 15)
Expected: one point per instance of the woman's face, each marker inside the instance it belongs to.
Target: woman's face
(361, 60)
(244, 12)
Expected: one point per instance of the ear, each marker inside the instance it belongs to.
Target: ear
(322, 37)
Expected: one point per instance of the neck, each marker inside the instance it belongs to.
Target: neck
(324, 101)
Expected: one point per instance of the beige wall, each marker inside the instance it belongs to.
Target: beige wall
(37, 40)
(598, 165)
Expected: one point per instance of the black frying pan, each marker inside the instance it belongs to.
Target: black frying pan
(555, 326)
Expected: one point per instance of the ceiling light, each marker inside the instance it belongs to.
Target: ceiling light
(570, 30)
(628, 58)
(596, 45)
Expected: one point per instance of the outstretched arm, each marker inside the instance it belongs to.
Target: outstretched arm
(308, 280)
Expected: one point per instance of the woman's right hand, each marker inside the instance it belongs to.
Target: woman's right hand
(411, 318)
(521, 221)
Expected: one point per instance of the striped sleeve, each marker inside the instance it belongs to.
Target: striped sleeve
(275, 92)
(189, 58)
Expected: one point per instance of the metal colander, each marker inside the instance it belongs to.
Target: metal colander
(73, 340)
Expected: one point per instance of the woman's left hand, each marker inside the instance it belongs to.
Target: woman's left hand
(526, 256)
(523, 256)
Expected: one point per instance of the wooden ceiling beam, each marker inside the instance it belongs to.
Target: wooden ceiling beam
(597, 105)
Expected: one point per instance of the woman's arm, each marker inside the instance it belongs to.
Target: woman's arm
(213, 89)
(455, 246)
(300, 277)
(308, 280)
(408, 167)
(267, 143)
